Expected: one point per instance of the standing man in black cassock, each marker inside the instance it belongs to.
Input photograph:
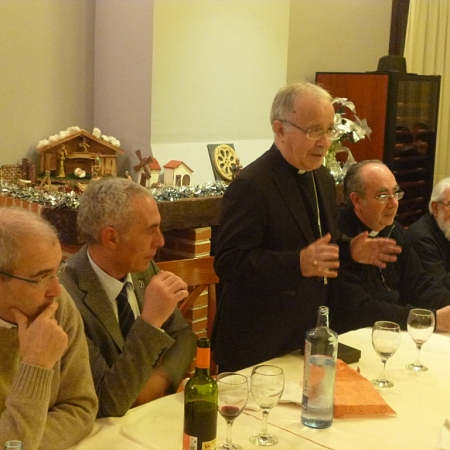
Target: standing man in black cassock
(275, 252)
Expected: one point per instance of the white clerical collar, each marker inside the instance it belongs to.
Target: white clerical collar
(301, 172)
(373, 233)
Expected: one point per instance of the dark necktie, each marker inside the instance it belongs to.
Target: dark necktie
(126, 316)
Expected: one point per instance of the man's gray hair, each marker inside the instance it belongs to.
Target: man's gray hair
(107, 203)
(17, 226)
(354, 182)
(438, 192)
(284, 101)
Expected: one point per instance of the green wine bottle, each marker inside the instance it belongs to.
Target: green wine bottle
(200, 404)
(13, 445)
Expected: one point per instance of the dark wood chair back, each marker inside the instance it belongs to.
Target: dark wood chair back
(199, 275)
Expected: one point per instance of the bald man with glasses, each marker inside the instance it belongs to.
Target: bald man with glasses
(47, 396)
(363, 293)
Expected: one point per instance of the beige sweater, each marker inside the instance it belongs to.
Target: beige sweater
(47, 409)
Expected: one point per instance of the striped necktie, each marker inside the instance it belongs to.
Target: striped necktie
(126, 316)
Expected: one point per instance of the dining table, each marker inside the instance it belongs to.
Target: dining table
(421, 401)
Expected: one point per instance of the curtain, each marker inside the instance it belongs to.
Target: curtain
(427, 52)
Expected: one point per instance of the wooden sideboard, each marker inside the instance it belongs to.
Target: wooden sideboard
(179, 214)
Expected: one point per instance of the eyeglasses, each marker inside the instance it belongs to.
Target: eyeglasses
(316, 133)
(42, 281)
(445, 204)
(384, 198)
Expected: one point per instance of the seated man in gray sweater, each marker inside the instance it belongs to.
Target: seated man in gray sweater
(364, 293)
(139, 343)
(47, 398)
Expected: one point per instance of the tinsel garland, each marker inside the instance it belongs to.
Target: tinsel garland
(171, 193)
(70, 200)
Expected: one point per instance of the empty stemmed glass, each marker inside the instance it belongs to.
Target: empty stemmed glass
(267, 384)
(385, 340)
(233, 396)
(420, 328)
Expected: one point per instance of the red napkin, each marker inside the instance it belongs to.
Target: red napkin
(355, 396)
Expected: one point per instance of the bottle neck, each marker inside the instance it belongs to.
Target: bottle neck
(202, 361)
(201, 372)
(322, 318)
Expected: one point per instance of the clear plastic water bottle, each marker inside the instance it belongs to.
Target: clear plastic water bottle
(321, 346)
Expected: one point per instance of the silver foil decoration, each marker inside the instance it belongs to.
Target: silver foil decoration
(70, 200)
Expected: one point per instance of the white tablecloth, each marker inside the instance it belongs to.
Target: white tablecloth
(421, 400)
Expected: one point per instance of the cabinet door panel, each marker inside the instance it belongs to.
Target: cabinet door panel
(370, 96)
(401, 109)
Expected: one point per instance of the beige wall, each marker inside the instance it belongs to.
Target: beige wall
(337, 36)
(46, 74)
(216, 67)
(209, 78)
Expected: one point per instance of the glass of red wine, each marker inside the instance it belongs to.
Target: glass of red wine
(233, 396)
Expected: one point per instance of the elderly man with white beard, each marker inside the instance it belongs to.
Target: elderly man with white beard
(430, 235)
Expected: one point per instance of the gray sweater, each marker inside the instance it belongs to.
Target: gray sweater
(47, 409)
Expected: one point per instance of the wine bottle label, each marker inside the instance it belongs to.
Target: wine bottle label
(211, 445)
(306, 362)
(190, 443)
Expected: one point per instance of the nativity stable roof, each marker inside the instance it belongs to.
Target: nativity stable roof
(76, 135)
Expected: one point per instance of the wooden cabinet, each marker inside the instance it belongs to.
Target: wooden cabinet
(402, 111)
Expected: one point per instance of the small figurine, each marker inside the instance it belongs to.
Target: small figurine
(84, 144)
(79, 173)
(62, 158)
(95, 177)
(47, 179)
(97, 167)
(235, 168)
(127, 175)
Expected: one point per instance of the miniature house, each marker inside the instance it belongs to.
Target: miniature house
(80, 150)
(177, 173)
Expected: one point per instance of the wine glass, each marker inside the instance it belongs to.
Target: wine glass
(267, 384)
(233, 396)
(385, 340)
(420, 328)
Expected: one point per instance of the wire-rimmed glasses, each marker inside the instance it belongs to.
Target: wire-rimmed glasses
(384, 198)
(41, 281)
(316, 133)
